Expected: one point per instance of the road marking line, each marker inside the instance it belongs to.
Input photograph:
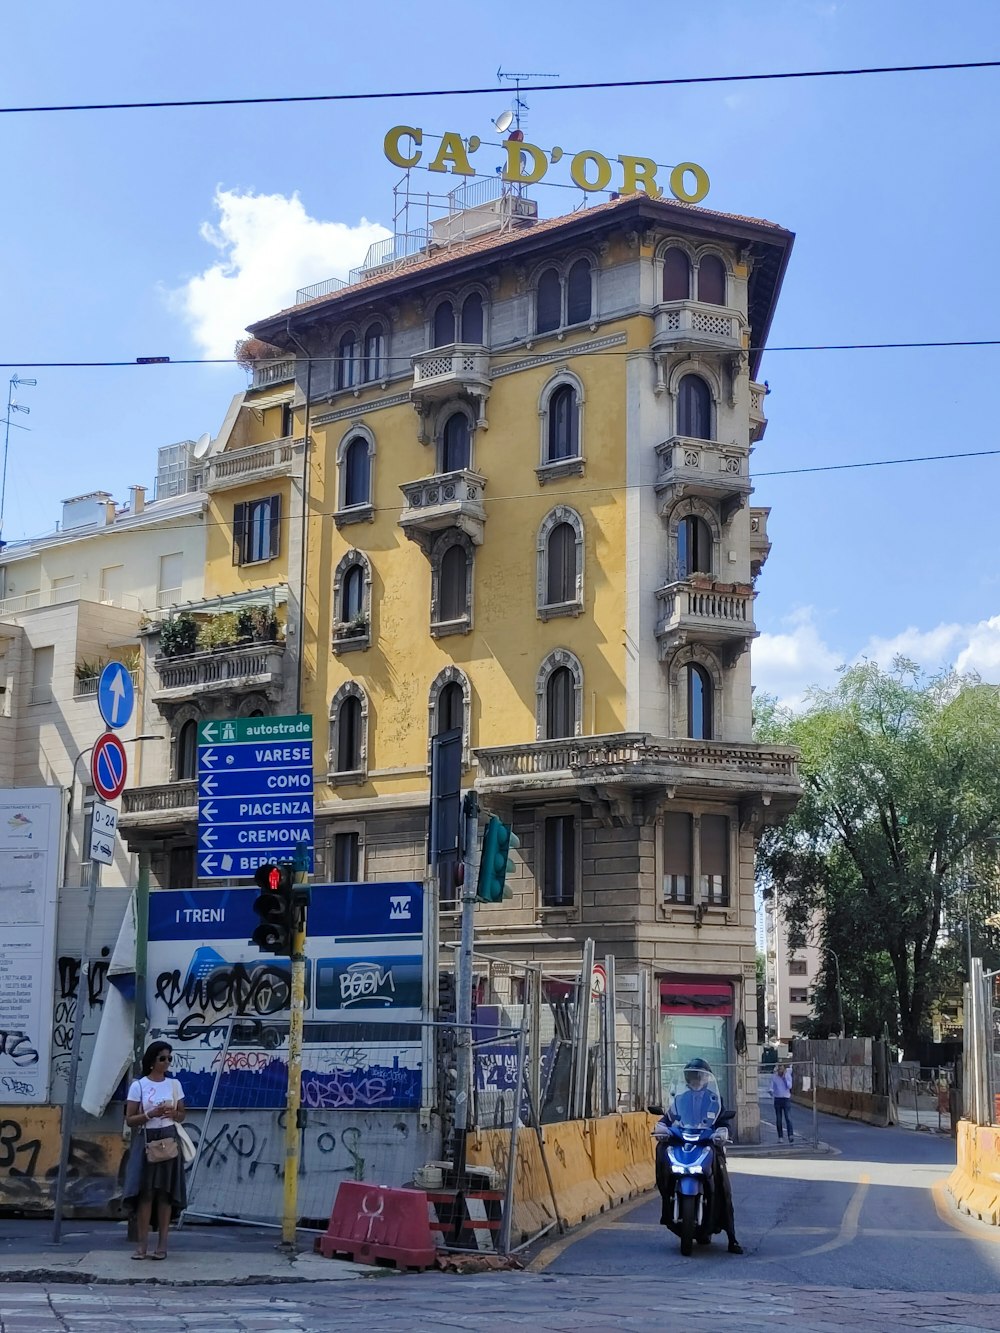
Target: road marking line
(552, 1252)
(849, 1225)
(968, 1226)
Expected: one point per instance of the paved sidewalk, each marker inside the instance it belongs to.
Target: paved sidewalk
(100, 1252)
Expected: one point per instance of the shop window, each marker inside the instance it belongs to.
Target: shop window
(712, 280)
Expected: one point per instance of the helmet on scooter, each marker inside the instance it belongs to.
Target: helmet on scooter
(697, 1073)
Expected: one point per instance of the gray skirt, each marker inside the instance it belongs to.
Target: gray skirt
(158, 1181)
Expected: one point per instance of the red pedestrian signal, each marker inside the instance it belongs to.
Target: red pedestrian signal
(276, 906)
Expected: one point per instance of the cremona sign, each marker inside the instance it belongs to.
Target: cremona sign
(527, 164)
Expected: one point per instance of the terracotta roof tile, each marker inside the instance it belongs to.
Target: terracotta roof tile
(495, 241)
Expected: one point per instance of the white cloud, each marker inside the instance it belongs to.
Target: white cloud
(982, 651)
(931, 648)
(268, 247)
(787, 664)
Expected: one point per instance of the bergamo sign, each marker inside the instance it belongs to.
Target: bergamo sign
(255, 793)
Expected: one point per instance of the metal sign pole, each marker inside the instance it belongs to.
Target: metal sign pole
(464, 997)
(82, 993)
(293, 1113)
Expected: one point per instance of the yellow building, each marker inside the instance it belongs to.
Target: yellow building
(527, 515)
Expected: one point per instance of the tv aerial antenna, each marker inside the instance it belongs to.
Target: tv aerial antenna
(506, 118)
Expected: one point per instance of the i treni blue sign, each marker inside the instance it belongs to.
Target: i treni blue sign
(255, 793)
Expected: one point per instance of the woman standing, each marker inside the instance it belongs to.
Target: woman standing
(154, 1177)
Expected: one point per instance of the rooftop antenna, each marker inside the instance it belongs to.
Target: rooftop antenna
(11, 407)
(518, 104)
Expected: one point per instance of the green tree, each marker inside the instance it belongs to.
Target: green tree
(901, 778)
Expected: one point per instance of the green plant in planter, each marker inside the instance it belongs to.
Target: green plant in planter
(357, 624)
(245, 623)
(86, 670)
(179, 636)
(220, 631)
(263, 623)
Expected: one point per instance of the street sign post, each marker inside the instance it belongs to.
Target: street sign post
(115, 695)
(255, 793)
(103, 827)
(108, 767)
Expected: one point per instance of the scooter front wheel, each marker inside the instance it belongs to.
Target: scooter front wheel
(688, 1220)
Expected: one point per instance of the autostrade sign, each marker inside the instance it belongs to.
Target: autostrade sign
(255, 793)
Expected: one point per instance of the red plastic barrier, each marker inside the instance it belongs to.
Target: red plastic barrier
(372, 1222)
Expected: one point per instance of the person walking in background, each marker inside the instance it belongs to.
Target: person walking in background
(154, 1175)
(781, 1092)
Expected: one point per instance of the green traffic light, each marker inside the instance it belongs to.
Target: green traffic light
(494, 865)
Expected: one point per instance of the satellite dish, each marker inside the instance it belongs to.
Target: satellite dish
(503, 121)
(201, 446)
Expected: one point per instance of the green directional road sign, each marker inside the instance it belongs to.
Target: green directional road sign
(237, 730)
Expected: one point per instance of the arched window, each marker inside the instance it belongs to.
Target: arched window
(561, 583)
(699, 703)
(712, 280)
(187, 751)
(349, 735)
(450, 708)
(472, 319)
(559, 704)
(374, 352)
(694, 408)
(444, 324)
(578, 293)
(352, 594)
(694, 547)
(564, 438)
(676, 275)
(455, 443)
(357, 473)
(347, 361)
(548, 302)
(453, 601)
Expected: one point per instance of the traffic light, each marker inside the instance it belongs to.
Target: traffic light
(498, 840)
(276, 907)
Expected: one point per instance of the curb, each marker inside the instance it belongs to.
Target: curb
(96, 1275)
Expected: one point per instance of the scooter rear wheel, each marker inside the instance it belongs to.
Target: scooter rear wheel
(689, 1220)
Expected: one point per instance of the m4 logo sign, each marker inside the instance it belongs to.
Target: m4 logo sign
(399, 908)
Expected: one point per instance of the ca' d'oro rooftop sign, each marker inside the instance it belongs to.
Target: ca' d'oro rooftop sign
(589, 169)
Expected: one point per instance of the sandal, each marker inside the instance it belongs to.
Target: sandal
(140, 1254)
(158, 1254)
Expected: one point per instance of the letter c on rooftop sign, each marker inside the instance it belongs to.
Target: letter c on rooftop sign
(393, 151)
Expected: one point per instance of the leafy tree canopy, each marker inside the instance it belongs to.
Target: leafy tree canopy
(901, 778)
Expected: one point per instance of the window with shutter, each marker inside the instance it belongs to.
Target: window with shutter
(712, 280)
(548, 302)
(357, 473)
(352, 596)
(345, 857)
(347, 362)
(678, 883)
(444, 325)
(349, 736)
(187, 751)
(699, 703)
(559, 710)
(453, 600)
(472, 319)
(561, 581)
(715, 860)
(578, 293)
(676, 275)
(564, 439)
(455, 443)
(694, 547)
(374, 353)
(694, 408)
(239, 533)
(559, 880)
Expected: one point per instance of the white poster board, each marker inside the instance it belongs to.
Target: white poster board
(30, 824)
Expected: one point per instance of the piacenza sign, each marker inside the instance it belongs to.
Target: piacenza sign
(589, 169)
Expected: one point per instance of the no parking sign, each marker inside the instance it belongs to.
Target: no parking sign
(108, 767)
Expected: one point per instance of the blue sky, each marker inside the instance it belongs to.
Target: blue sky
(163, 232)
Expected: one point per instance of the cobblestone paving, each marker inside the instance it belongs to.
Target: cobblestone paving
(432, 1302)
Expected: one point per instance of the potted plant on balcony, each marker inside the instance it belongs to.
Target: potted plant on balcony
(179, 636)
(263, 624)
(221, 631)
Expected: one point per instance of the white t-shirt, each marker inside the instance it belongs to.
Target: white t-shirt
(152, 1095)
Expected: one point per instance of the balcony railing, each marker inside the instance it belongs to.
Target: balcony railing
(256, 666)
(273, 372)
(69, 592)
(715, 614)
(446, 500)
(443, 371)
(702, 467)
(258, 463)
(154, 800)
(680, 324)
(758, 421)
(583, 756)
(760, 546)
(86, 687)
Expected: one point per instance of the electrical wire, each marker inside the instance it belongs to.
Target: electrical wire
(682, 81)
(497, 354)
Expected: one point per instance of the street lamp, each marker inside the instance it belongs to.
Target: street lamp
(840, 993)
(74, 1057)
(11, 407)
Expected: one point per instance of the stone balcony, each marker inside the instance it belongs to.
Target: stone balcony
(615, 773)
(697, 610)
(760, 546)
(758, 421)
(713, 471)
(261, 462)
(683, 326)
(446, 500)
(443, 372)
(267, 373)
(257, 667)
(149, 813)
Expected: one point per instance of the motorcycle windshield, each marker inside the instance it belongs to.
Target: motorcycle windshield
(695, 1101)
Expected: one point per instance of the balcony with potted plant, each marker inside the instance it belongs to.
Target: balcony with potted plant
(231, 652)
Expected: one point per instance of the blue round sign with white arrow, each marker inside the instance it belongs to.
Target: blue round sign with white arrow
(115, 694)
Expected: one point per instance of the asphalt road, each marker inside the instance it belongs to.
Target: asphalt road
(870, 1216)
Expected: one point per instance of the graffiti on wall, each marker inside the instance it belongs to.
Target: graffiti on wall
(30, 1141)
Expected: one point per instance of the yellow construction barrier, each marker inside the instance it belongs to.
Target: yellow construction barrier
(594, 1165)
(975, 1182)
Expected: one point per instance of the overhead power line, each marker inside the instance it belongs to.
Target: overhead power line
(516, 352)
(594, 86)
